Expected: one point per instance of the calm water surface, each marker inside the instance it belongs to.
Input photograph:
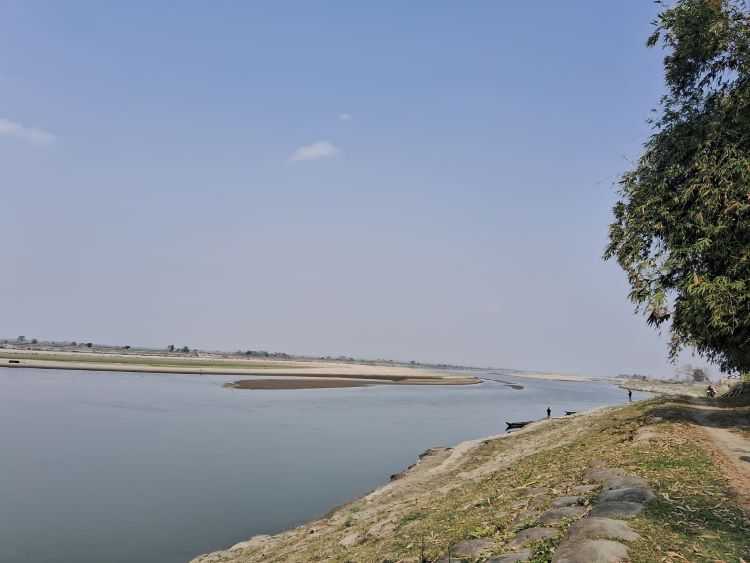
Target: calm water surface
(122, 467)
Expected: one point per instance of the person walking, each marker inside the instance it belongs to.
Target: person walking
(549, 412)
(630, 395)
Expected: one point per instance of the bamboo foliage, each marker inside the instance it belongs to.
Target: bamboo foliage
(681, 227)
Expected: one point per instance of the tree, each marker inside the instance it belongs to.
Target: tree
(170, 348)
(89, 344)
(681, 228)
(695, 374)
(34, 341)
(21, 339)
(185, 349)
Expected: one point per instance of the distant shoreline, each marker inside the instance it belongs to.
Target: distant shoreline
(547, 376)
(201, 365)
(377, 372)
(669, 387)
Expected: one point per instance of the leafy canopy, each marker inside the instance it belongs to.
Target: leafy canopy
(681, 227)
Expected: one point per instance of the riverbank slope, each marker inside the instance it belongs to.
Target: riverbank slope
(494, 489)
(691, 389)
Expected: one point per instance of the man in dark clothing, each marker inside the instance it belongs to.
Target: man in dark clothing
(630, 395)
(549, 412)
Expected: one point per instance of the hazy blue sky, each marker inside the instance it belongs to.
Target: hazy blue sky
(410, 180)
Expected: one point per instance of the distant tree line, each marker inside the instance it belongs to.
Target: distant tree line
(23, 340)
(694, 374)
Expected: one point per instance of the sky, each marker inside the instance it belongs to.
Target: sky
(424, 180)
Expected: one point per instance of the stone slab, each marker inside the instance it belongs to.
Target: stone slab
(634, 494)
(590, 551)
(567, 501)
(593, 527)
(624, 482)
(554, 515)
(617, 509)
(584, 489)
(515, 557)
(533, 535)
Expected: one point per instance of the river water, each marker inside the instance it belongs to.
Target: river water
(122, 467)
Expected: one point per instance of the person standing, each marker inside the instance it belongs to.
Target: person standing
(630, 395)
(549, 412)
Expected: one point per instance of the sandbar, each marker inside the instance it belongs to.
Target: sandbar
(296, 384)
(217, 365)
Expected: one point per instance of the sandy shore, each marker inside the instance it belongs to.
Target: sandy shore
(547, 376)
(669, 387)
(229, 366)
(296, 384)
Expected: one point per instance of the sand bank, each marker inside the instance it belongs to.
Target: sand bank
(546, 376)
(229, 366)
(295, 384)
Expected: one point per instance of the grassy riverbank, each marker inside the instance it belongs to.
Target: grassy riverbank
(670, 387)
(480, 490)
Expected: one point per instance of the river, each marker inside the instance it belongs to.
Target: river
(122, 467)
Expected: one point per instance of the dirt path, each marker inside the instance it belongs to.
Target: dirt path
(731, 447)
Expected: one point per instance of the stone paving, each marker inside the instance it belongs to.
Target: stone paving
(557, 515)
(533, 535)
(593, 527)
(617, 509)
(591, 551)
(595, 535)
(474, 548)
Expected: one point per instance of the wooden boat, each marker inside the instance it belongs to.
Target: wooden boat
(518, 424)
(570, 412)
